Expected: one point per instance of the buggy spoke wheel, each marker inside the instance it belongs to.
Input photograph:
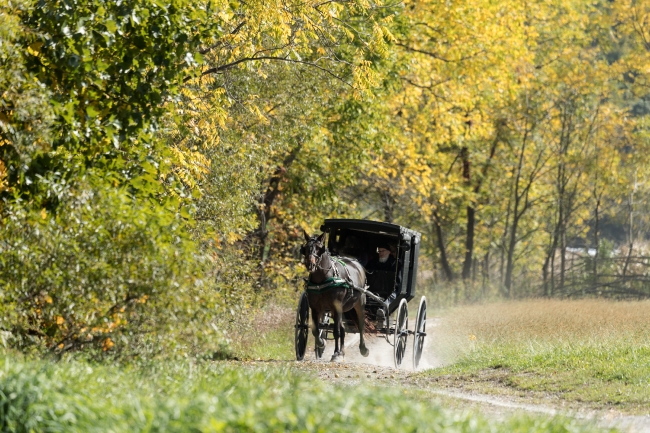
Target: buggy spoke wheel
(401, 332)
(419, 332)
(302, 327)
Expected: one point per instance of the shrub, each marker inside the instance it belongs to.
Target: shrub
(104, 264)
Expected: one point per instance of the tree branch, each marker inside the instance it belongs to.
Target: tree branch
(234, 32)
(437, 56)
(422, 86)
(219, 69)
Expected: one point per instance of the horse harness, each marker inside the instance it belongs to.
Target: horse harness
(335, 282)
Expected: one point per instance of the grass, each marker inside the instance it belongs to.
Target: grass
(267, 334)
(594, 352)
(75, 396)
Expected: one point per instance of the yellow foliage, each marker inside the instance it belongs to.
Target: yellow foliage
(191, 166)
(107, 344)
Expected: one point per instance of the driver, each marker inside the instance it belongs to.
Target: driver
(385, 260)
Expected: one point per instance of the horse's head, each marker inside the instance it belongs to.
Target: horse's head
(312, 251)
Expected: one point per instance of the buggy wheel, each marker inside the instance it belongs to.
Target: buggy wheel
(302, 327)
(401, 332)
(419, 332)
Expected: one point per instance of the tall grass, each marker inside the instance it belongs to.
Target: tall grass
(267, 333)
(596, 351)
(78, 397)
(541, 322)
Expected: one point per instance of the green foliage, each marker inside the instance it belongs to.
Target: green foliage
(96, 249)
(101, 262)
(112, 64)
(78, 397)
(25, 113)
(107, 69)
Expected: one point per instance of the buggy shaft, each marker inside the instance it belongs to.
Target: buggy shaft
(368, 293)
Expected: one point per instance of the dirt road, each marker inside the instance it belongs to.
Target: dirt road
(379, 368)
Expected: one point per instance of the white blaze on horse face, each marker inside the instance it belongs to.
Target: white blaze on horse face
(310, 262)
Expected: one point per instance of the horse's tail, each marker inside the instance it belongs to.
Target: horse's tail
(369, 328)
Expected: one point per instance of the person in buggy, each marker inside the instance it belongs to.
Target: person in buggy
(386, 261)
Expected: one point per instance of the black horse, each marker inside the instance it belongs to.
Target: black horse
(335, 298)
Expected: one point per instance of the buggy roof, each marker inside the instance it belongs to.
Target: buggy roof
(371, 227)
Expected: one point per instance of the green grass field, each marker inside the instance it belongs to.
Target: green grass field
(594, 353)
(40, 396)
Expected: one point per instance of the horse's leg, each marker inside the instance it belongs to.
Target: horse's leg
(342, 339)
(360, 308)
(336, 336)
(315, 331)
(337, 314)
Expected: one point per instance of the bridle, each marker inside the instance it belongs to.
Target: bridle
(319, 258)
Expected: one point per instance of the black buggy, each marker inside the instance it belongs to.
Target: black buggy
(360, 239)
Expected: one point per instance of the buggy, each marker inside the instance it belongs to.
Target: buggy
(359, 240)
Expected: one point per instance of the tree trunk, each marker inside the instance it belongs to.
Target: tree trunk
(471, 217)
(504, 238)
(553, 273)
(511, 249)
(444, 262)
(272, 192)
(560, 230)
(550, 261)
(486, 273)
(471, 209)
(545, 276)
(596, 240)
(562, 258)
(517, 214)
(389, 204)
(630, 235)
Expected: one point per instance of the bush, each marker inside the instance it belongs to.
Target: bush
(100, 268)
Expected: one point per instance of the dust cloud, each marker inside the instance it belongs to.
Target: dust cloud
(381, 351)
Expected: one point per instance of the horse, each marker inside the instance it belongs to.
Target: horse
(336, 298)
